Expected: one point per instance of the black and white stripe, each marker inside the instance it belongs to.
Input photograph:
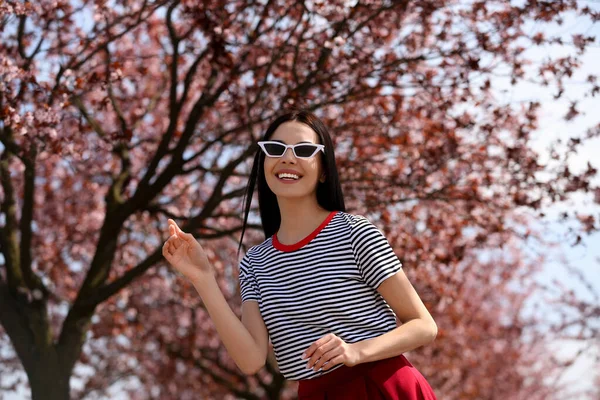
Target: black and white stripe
(327, 286)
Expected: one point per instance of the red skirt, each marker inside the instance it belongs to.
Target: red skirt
(389, 379)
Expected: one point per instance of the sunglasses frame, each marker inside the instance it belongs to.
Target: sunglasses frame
(290, 146)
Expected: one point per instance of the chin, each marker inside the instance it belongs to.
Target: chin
(293, 196)
(292, 191)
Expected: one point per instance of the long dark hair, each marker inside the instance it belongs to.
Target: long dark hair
(329, 193)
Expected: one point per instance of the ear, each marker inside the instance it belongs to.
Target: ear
(322, 178)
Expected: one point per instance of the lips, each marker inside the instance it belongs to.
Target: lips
(289, 172)
(287, 176)
(287, 179)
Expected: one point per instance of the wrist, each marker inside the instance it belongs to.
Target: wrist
(204, 281)
(358, 351)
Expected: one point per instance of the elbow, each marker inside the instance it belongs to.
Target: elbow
(252, 369)
(428, 330)
(252, 364)
(433, 331)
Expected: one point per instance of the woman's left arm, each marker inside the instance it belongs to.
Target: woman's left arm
(418, 327)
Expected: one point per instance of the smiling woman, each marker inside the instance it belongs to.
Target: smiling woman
(313, 251)
(311, 159)
(346, 347)
(287, 167)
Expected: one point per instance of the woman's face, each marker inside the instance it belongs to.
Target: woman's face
(309, 171)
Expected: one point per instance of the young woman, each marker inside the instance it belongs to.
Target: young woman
(325, 286)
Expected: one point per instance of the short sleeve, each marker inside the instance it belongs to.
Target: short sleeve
(374, 256)
(248, 286)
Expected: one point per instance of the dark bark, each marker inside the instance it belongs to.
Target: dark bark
(47, 380)
(25, 320)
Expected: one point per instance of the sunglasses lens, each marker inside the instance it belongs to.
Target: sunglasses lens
(305, 150)
(274, 149)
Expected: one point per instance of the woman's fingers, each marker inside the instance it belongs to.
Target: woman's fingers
(174, 224)
(167, 249)
(172, 244)
(181, 234)
(173, 253)
(186, 237)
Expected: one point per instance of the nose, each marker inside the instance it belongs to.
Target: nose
(288, 155)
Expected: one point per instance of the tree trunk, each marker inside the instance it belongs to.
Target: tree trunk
(48, 382)
(25, 323)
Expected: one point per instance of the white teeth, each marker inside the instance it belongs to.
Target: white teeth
(286, 175)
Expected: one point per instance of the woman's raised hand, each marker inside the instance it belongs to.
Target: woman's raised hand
(186, 255)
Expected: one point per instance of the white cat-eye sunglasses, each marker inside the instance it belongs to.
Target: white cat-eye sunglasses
(301, 150)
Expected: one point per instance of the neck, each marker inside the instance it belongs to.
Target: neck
(299, 217)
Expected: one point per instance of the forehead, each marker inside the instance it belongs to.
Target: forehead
(293, 132)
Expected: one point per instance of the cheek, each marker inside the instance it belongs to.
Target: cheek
(312, 168)
(268, 165)
(316, 166)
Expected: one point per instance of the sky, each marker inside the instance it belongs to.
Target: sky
(585, 257)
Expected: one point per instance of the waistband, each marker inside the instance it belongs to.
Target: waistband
(344, 373)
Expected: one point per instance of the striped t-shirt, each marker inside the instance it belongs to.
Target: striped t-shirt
(325, 283)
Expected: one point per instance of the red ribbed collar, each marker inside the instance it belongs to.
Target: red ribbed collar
(306, 240)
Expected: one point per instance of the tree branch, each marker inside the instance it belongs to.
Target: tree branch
(111, 96)
(224, 381)
(113, 287)
(214, 200)
(73, 64)
(148, 191)
(274, 59)
(76, 100)
(13, 321)
(32, 281)
(189, 76)
(21, 47)
(10, 145)
(174, 106)
(8, 233)
(221, 233)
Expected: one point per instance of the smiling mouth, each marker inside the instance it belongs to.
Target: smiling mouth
(288, 177)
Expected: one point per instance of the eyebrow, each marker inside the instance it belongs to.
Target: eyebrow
(281, 141)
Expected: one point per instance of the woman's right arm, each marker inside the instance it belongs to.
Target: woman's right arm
(246, 341)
